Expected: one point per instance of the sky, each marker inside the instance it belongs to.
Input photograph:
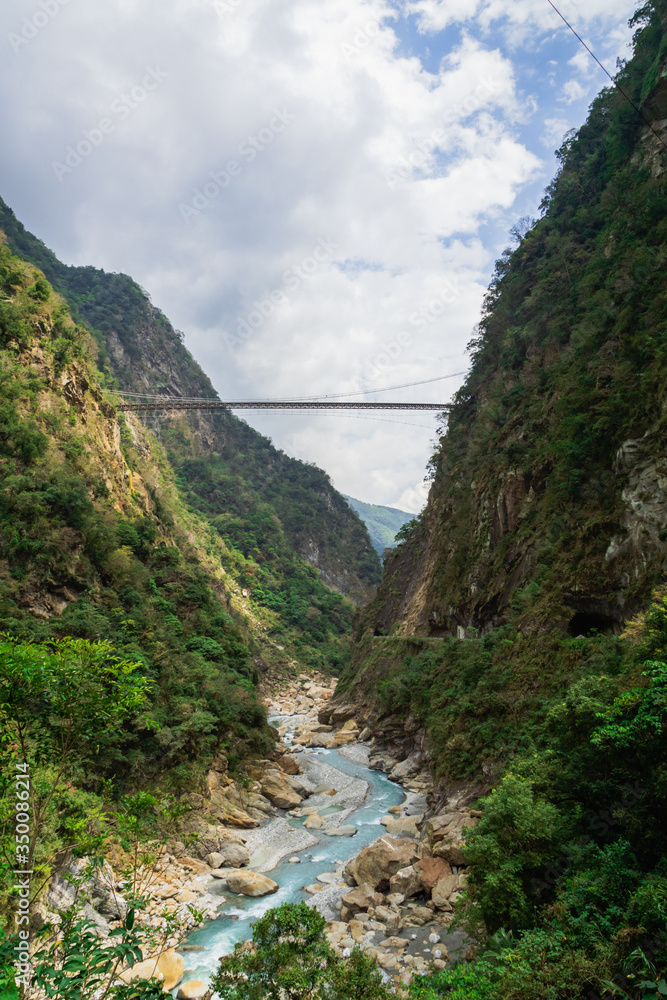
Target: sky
(314, 191)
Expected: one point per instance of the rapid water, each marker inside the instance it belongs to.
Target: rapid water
(238, 913)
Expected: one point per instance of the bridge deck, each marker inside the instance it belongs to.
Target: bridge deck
(176, 404)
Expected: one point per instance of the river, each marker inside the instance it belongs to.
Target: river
(237, 913)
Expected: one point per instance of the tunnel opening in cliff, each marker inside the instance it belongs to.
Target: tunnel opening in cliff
(588, 622)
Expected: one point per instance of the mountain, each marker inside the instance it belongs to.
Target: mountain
(518, 642)
(382, 522)
(262, 498)
(189, 543)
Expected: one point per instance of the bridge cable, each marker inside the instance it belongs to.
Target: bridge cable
(289, 399)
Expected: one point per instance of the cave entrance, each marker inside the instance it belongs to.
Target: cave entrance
(588, 622)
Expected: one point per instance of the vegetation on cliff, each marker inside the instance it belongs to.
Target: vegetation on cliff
(502, 626)
(256, 483)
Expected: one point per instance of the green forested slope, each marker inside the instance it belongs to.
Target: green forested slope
(96, 543)
(383, 523)
(140, 350)
(551, 473)
(523, 621)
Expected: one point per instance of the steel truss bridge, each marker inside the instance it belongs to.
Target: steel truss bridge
(172, 404)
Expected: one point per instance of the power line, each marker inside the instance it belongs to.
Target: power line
(605, 70)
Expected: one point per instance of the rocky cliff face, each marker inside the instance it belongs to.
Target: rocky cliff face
(548, 506)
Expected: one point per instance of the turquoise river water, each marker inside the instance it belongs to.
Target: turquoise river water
(238, 913)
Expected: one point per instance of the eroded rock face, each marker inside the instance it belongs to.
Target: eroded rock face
(378, 862)
(250, 883)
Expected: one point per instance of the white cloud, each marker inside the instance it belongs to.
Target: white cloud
(555, 129)
(411, 171)
(572, 91)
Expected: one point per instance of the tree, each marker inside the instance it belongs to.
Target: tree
(289, 958)
(62, 708)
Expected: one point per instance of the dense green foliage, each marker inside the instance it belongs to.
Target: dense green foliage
(383, 523)
(311, 618)
(544, 535)
(567, 864)
(290, 957)
(128, 576)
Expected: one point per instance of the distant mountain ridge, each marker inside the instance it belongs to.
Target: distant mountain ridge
(382, 522)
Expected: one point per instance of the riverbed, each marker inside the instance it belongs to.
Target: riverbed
(329, 854)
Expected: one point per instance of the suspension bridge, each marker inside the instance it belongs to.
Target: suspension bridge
(170, 404)
(150, 403)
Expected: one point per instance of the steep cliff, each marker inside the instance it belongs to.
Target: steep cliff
(549, 502)
(517, 648)
(141, 351)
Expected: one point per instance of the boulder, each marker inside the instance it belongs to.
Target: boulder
(194, 865)
(187, 896)
(342, 739)
(361, 897)
(378, 862)
(418, 916)
(297, 784)
(344, 830)
(192, 990)
(443, 889)
(431, 870)
(321, 740)
(402, 825)
(437, 826)
(234, 855)
(406, 881)
(349, 727)
(315, 822)
(215, 860)
(389, 917)
(250, 883)
(288, 764)
(450, 851)
(168, 968)
(229, 814)
(278, 790)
